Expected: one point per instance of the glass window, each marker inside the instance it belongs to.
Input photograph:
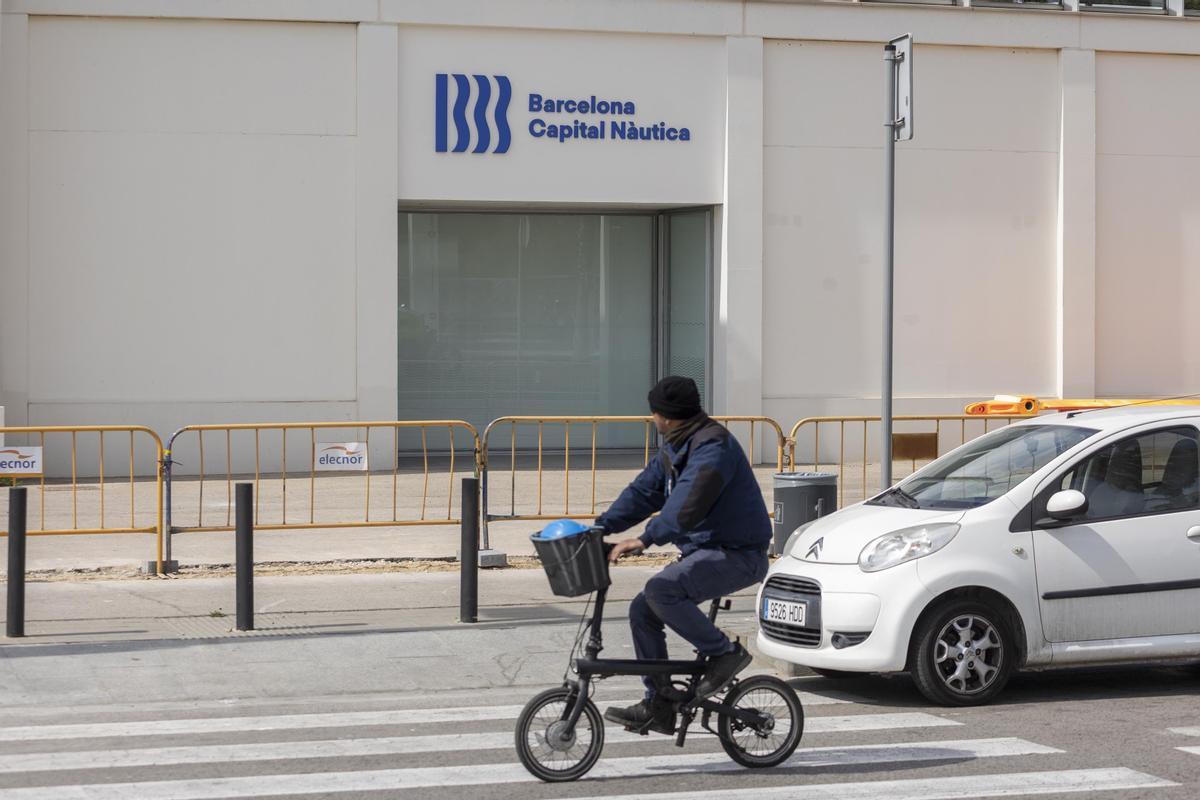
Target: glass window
(1144, 474)
(1191, 6)
(1124, 5)
(1057, 4)
(987, 468)
(531, 314)
(549, 314)
(687, 314)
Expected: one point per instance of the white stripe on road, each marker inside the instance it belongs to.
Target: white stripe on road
(1017, 784)
(1185, 731)
(875, 722)
(482, 774)
(347, 719)
(399, 745)
(1193, 750)
(289, 722)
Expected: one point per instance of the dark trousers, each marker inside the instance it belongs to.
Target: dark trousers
(672, 596)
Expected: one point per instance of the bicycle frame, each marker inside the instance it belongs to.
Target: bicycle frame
(591, 667)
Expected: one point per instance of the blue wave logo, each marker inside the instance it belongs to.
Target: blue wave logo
(476, 91)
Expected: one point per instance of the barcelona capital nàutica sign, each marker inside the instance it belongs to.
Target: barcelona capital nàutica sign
(471, 114)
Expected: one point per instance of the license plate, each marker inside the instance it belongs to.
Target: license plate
(783, 611)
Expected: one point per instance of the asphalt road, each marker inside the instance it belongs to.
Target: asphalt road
(1095, 733)
(367, 686)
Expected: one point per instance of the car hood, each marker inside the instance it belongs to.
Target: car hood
(843, 534)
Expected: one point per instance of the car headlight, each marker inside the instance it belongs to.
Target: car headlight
(905, 545)
(796, 534)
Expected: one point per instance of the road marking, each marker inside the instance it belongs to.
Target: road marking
(876, 722)
(1185, 731)
(1193, 750)
(346, 719)
(483, 774)
(1005, 785)
(169, 727)
(394, 745)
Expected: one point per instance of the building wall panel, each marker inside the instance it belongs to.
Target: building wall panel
(1147, 225)
(191, 212)
(975, 224)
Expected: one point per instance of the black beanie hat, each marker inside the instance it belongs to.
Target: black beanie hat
(675, 397)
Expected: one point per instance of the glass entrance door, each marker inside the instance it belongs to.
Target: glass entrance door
(541, 314)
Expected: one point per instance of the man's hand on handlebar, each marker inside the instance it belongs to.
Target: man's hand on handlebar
(627, 547)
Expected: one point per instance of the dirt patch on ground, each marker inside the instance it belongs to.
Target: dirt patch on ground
(348, 567)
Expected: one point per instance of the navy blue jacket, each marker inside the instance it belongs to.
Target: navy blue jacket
(705, 492)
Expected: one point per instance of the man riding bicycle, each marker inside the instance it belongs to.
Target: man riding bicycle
(711, 508)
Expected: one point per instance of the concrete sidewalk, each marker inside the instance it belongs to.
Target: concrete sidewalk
(155, 640)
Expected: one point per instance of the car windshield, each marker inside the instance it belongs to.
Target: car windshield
(985, 469)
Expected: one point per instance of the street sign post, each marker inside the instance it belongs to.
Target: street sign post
(898, 123)
(903, 65)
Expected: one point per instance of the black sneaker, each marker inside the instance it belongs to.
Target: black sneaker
(722, 669)
(651, 715)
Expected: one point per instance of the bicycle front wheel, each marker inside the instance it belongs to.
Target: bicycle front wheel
(768, 744)
(546, 748)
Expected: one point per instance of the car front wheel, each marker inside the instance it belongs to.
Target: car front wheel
(963, 653)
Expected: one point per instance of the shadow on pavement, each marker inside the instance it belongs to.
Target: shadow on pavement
(1062, 685)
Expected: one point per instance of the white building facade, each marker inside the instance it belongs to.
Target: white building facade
(292, 210)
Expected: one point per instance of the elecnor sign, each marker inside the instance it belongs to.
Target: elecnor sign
(340, 457)
(21, 461)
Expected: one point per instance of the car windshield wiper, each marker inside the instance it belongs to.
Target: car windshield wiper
(901, 497)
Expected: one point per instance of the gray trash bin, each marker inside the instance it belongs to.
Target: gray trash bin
(801, 497)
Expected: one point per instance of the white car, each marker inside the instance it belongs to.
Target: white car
(1061, 540)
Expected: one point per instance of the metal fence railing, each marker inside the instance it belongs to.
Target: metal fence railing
(318, 474)
(115, 484)
(845, 445)
(122, 479)
(527, 462)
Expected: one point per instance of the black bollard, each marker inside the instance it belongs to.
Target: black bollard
(468, 559)
(245, 556)
(15, 627)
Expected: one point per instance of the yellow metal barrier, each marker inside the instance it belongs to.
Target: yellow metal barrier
(449, 438)
(55, 518)
(636, 450)
(920, 445)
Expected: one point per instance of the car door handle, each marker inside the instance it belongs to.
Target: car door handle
(1194, 533)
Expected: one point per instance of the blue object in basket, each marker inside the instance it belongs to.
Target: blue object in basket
(561, 528)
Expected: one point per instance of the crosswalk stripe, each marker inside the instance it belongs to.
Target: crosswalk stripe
(397, 745)
(1193, 750)
(1003, 785)
(1185, 731)
(168, 727)
(481, 774)
(876, 722)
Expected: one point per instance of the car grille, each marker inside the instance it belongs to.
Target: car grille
(788, 587)
(801, 637)
(787, 583)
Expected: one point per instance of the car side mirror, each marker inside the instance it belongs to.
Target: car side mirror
(1067, 504)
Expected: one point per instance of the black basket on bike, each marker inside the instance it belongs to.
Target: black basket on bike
(576, 564)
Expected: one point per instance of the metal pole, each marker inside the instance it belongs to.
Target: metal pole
(487, 545)
(889, 237)
(245, 556)
(166, 471)
(15, 627)
(468, 595)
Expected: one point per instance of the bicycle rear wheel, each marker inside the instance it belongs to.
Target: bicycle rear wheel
(544, 746)
(772, 743)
